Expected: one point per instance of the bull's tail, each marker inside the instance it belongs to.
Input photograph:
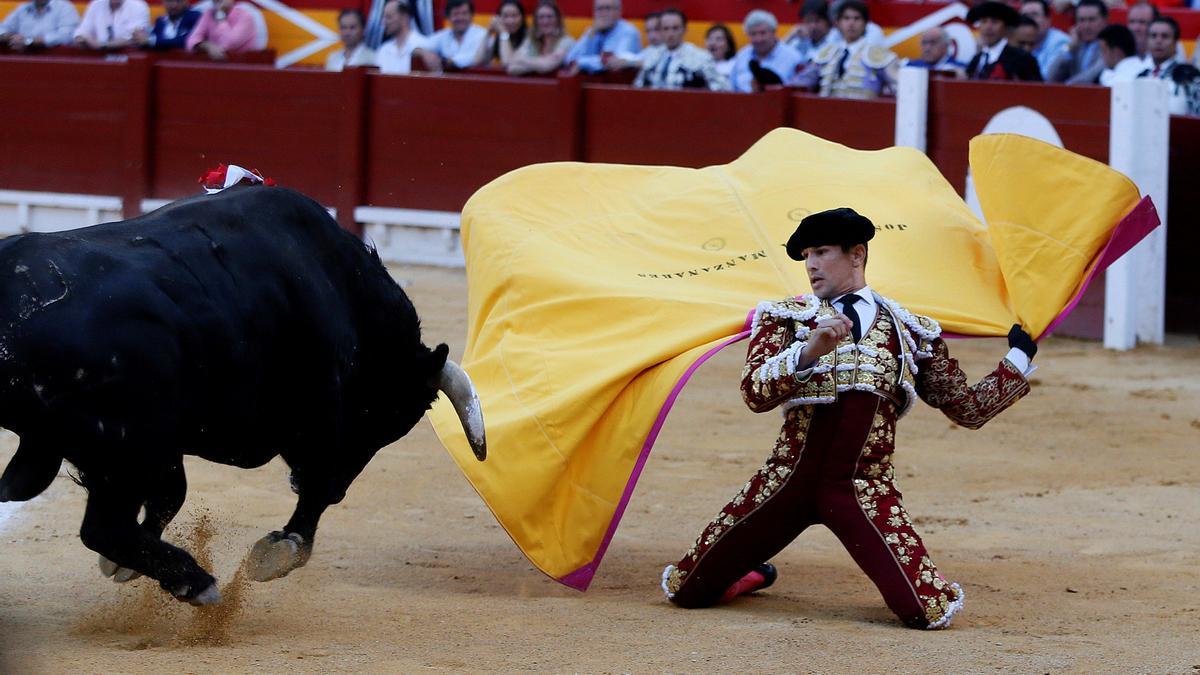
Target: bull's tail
(29, 473)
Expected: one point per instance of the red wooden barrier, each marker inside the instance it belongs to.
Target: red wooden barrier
(680, 128)
(959, 110)
(865, 125)
(432, 141)
(297, 126)
(74, 125)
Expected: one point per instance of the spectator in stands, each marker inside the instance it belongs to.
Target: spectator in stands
(653, 23)
(223, 29)
(1118, 51)
(1025, 36)
(1138, 19)
(505, 34)
(935, 52)
(1051, 42)
(110, 24)
(854, 68)
(171, 30)
(813, 31)
(354, 51)
(1182, 77)
(1081, 62)
(676, 64)
(40, 23)
(765, 60)
(458, 43)
(547, 45)
(653, 26)
(609, 43)
(998, 60)
(395, 56)
(874, 32)
(720, 43)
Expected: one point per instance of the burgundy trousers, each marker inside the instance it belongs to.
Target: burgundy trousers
(832, 466)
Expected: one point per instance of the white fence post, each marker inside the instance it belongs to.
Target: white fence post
(912, 108)
(1138, 146)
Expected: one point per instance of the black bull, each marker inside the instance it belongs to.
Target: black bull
(235, 327)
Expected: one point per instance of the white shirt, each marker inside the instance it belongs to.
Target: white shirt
(460, 52)
(362, 55)
(1126, 70)
(103, 25)
(990, 55)
(866, 308)
(394, 59)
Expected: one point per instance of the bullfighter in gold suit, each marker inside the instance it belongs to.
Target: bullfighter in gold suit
(843, 379)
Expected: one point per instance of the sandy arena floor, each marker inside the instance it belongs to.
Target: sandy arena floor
(1070, 521)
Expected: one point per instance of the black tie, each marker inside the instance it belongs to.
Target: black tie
(848, 301)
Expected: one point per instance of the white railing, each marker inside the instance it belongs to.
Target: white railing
(402, 236)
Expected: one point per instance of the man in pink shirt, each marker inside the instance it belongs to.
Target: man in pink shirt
(110, 24)
(224, 28)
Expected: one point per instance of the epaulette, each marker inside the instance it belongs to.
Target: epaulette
(827, 53)
(878, 57)
(801, 308)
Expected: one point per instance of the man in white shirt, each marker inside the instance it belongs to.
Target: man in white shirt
(395, 56)
(458, 44)
(354, 51)
(676, 64)
(41, 23)
(111, 24)
(1118, 51)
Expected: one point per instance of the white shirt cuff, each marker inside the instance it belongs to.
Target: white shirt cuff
(1020, 361)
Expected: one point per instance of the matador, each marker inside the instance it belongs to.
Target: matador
(843, 379)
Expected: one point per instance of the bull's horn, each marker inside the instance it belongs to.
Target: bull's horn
(461, 392)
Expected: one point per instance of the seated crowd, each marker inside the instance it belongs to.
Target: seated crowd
(835, 50)
(213, 27)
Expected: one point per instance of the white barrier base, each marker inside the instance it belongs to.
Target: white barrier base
(402, 236)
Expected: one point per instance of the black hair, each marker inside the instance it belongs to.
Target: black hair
(1120, 37)
(362, 21)
(722, 28)
(818, 7)
(861, 7)
(1100, 6)
(1170, 21)
(1026, 21)
(452, 4)
(677, 12)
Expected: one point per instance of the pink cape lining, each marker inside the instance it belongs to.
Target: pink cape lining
(1138, 223)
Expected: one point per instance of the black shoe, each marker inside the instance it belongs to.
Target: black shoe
(769, 573)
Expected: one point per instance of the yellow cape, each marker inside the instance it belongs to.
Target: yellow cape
(594, 290)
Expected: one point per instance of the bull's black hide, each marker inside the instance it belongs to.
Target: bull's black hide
(236, 327)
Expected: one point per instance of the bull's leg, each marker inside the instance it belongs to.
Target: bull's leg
(110, 528)
(282, 551)
(167, 493)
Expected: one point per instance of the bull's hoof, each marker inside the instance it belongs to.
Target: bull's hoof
(183, 593)
(209, 596)
(276, 554)
(119, 574)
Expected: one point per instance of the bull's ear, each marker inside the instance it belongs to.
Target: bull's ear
(435, 362)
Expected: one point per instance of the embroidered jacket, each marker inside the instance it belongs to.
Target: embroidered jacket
(900, 357)
(859, 70)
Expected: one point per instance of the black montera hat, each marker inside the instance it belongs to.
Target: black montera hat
(994, 10)
(835, 227)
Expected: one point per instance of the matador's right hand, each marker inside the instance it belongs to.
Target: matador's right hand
(825, 337)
